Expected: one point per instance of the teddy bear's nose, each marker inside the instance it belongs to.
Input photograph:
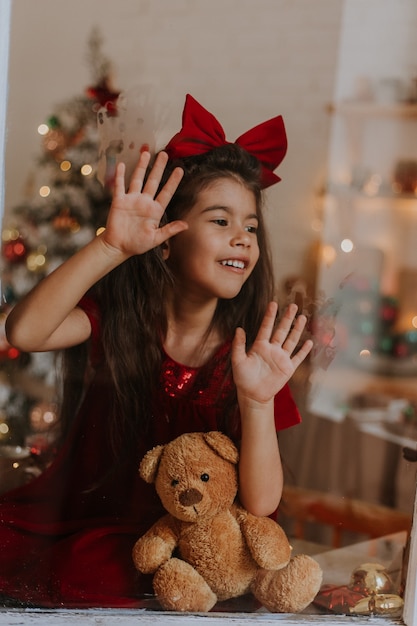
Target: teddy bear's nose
(190, 496)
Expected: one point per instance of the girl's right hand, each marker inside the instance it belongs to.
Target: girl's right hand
(133, 225)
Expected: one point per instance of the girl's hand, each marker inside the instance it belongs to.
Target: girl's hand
(267, 367)
(133, 224)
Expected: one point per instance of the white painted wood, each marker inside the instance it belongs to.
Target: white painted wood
(410, 599)
(98, 617)
(4, 63)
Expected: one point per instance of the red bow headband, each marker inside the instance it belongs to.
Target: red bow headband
(201, 132)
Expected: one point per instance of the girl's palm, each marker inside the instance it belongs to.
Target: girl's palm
(270, 363)
(133, 225)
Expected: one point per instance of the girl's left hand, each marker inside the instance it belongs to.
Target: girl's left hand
(260, 373)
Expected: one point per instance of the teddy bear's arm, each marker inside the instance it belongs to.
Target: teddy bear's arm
(266, 540)
(156, 546)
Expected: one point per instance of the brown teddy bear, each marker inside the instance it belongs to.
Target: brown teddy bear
(223, 551)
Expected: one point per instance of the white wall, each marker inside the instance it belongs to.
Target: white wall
(378, 42)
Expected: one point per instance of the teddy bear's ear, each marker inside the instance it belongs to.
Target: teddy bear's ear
(221, 444)
(148, 467)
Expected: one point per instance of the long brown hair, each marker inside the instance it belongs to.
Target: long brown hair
(132, 297)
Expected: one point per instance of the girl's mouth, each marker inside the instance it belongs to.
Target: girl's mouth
(234, 263)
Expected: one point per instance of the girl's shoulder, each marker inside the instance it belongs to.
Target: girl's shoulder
(89, 304)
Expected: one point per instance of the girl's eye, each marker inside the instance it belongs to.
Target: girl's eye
(252, 229)
(220, 221)
(174, 482)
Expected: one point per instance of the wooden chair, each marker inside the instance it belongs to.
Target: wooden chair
(301, 509)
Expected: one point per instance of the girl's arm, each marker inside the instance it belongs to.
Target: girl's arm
(259, 375)
(48, 317)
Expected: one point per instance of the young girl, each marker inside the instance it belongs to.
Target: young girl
(168, 319)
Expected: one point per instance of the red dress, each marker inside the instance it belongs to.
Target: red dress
(66, 538)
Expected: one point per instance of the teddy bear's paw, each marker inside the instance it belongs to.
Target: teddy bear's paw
(179, 587)
(149, 552)
(291, 589)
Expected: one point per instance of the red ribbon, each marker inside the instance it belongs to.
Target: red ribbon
(201, 132)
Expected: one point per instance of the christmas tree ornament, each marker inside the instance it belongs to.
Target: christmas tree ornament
(371, 578)
(378, 604)
(15, 250)
(7, 352)
(370, 591)
(104, 96)
(102, 92)
(65, 222)
(338, 598)
(135, 124)
(388, 312)
(401, 346)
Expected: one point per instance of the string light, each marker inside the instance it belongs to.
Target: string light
(42, 416)
(65, 166)
(347, 245)
(43, 129)
(44, 191)
(10, 234)
(86, 170)
(35, 261)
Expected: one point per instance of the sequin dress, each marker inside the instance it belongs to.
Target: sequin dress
(66, 538)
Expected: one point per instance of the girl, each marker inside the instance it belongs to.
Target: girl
(168, 318)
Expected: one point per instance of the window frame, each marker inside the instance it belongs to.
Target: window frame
(114, 617)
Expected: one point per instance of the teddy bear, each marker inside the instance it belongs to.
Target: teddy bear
(207, 548)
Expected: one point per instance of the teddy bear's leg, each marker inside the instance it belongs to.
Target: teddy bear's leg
(179, 587)
(290, 589)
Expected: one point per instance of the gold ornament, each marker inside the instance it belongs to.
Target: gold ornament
(378, 604)
(65, 222)
(371, 578)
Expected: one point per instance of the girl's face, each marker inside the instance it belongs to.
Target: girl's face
(216, 255)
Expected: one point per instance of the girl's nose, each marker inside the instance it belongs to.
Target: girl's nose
(241, 237)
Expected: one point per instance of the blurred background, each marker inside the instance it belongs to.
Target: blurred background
(343, 221)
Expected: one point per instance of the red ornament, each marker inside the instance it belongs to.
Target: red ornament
(7, 352)
(104, 95)
(15, 250)
(338, 598)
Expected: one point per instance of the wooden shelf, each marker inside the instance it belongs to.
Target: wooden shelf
(374, 109)
(384, 193)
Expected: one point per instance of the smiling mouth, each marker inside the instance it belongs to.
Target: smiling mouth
(233, 263)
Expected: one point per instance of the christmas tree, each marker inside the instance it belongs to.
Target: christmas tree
(64, 207)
